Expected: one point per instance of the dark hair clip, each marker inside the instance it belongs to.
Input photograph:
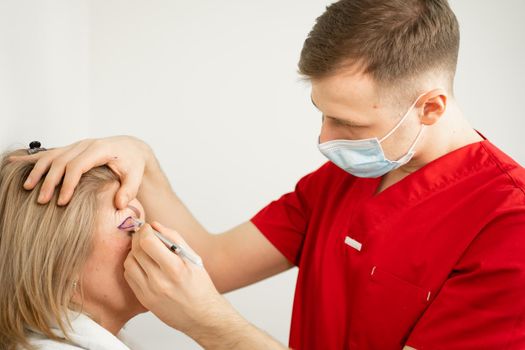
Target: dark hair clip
(35, 147)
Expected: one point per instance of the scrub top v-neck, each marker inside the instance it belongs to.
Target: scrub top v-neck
(434, 262)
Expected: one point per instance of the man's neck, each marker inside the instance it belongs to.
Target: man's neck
(452, 132)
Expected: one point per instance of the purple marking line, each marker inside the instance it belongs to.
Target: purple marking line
(127, 224)
(130, 222)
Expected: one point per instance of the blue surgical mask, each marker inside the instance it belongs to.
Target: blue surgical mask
(365, 158)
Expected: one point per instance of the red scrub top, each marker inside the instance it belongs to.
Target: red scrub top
(436, 261)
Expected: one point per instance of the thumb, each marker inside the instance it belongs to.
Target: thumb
(128, 190)
(172, 235)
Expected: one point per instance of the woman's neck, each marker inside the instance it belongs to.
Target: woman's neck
(112, 324)
(111, 321)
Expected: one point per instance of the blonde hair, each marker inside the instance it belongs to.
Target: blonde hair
(42, 251)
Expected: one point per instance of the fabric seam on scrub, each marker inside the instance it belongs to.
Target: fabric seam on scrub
(500, 167)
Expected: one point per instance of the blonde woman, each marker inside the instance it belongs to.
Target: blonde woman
(61, 268)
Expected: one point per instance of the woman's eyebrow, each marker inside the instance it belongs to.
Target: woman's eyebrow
(135, 210)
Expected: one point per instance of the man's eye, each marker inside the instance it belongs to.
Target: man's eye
(344, 123)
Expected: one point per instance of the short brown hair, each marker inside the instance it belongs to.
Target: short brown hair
(392, 40)
(42, 251)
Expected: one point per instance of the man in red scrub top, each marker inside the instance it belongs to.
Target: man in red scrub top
(412, 235)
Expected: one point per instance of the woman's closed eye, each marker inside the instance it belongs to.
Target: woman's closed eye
(126, 219)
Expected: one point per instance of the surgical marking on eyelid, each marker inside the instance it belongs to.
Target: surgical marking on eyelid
(127, 224)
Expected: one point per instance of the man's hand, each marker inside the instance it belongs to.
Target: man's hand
(127, 156)
(183, 296)
(179, 292)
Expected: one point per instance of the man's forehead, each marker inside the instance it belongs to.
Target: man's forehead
(344, 96)
(344, 89)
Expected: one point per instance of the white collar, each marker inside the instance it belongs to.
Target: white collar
(87, 334)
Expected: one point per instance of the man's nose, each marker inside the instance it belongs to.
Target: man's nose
(326, 134)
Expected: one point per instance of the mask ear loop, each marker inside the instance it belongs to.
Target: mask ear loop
(411, 152)
(402, 119)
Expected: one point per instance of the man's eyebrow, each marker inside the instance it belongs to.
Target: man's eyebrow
(332, 117)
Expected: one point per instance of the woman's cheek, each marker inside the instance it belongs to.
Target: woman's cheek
(116, 246)
(122, 244)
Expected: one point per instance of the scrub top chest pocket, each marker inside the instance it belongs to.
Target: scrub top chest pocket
(386, 307)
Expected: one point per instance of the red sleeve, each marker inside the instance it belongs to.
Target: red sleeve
(482, 304)
(284, 221)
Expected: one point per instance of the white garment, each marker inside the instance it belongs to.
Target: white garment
(85, 334)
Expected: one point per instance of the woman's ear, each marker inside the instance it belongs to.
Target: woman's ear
(434, 105)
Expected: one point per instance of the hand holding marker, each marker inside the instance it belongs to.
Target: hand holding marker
(136, 224)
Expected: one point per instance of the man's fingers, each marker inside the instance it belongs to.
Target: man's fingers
(40, 168)
(146, 263)
(49, 161)
(124, 155)
(59, 168)
(188, 253)
(172, 235)
(30, 158)
(70, 182)
(53, 177)
(135, 275)
(82, 163)
(129, 187)
(169, 262)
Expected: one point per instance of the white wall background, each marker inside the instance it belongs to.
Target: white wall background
(212, 86)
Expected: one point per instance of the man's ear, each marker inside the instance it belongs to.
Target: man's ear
(433, 105)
